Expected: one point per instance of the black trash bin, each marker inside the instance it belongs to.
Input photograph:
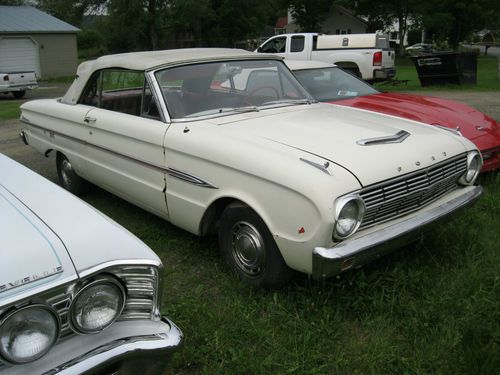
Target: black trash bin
(446, 67)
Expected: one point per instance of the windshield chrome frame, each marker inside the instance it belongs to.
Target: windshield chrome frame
(155, 86)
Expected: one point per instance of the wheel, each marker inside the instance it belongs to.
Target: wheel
(68, 178)
(19, 94)
(248, 248)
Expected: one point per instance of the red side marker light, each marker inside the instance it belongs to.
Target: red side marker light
(302, 230)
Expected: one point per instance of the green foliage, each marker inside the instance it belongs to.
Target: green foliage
(9, 110)
(309, 14)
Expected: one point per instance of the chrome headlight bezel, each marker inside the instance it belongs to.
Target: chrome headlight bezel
(340, 204)
(57, 327)
(109, 281)
(473, 157)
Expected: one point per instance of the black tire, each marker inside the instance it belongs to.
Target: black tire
(248, 248)
(19, 94)
(68, 178)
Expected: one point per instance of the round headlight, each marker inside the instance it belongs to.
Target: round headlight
(349, 213)
(474, 165)
(28, 334)
(97, 305)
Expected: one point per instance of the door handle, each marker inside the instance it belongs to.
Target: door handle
(89, 120)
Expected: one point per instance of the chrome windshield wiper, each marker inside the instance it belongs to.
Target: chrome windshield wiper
(216, 111)
(290, 102)
(250, 108)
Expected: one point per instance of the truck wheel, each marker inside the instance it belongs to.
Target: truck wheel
(248, 248)
(68, 178)
(19, 94)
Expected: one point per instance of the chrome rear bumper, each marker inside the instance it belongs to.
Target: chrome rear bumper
(354, 253)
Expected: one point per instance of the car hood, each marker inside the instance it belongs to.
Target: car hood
(64, 230)
(32, 254)
(333, 133)
(473, 124)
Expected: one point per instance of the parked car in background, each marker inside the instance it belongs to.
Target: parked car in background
(17, 83)
(228, 142)
(328, 83)
(78, 293)
(365, 55)
(419, 48)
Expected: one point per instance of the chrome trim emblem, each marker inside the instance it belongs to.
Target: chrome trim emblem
(175, 173)
(399, 137)
(322, 167)
(30, 278)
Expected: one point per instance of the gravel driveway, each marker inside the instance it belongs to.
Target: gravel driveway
(10, 144)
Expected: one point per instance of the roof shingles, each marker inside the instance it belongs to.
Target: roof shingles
(25, 19)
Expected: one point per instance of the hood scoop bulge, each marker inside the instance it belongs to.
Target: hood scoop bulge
(399, 137)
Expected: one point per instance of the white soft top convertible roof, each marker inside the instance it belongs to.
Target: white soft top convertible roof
(154, 59)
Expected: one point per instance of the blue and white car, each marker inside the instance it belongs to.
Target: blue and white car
(78, 292)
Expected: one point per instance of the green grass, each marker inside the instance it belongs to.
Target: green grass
(9, 110)
(429, 309)
(487, 79)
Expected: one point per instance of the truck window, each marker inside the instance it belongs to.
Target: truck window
(297, 44)
(276, 45)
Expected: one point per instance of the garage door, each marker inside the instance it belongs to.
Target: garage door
(19, 55)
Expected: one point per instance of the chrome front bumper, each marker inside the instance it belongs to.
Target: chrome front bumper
(354, 253)
(128, 347)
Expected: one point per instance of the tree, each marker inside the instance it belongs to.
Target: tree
(454, 20)
(309, 14)
(385, 13)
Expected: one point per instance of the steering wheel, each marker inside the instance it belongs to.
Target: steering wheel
(251, 94)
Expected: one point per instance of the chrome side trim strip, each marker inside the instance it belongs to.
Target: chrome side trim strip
(170, 171)
(399, 137)
(175, 173)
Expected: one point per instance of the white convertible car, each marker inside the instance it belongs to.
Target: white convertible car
(78, 293)
(227, 141)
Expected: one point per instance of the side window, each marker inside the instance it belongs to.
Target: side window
(276, 45)
(297, 44)
(92, 92)
(122, 91)
(149, 105)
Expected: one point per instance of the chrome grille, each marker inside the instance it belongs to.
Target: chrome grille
(405, 194)
(141, 284)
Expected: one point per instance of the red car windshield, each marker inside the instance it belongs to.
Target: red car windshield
(329, 84)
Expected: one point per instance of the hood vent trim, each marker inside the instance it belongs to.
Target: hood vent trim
(399, 137)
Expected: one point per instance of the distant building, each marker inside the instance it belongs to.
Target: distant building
(33, 40)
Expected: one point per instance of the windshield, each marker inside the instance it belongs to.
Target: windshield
(328, 84)
(228, 87)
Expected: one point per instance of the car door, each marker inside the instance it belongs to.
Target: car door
(125, 139)
(296, 47)
(275, 45)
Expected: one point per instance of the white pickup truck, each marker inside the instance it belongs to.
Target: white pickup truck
(366, 55)
(17, 83)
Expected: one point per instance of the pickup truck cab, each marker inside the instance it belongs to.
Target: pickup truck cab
(366, 55)
(17, 83)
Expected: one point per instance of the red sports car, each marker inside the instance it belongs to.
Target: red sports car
(328, 83)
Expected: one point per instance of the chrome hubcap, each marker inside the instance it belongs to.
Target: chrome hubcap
(66, 171)
(248, 248)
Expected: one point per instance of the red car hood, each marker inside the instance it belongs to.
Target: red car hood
(474, 125)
